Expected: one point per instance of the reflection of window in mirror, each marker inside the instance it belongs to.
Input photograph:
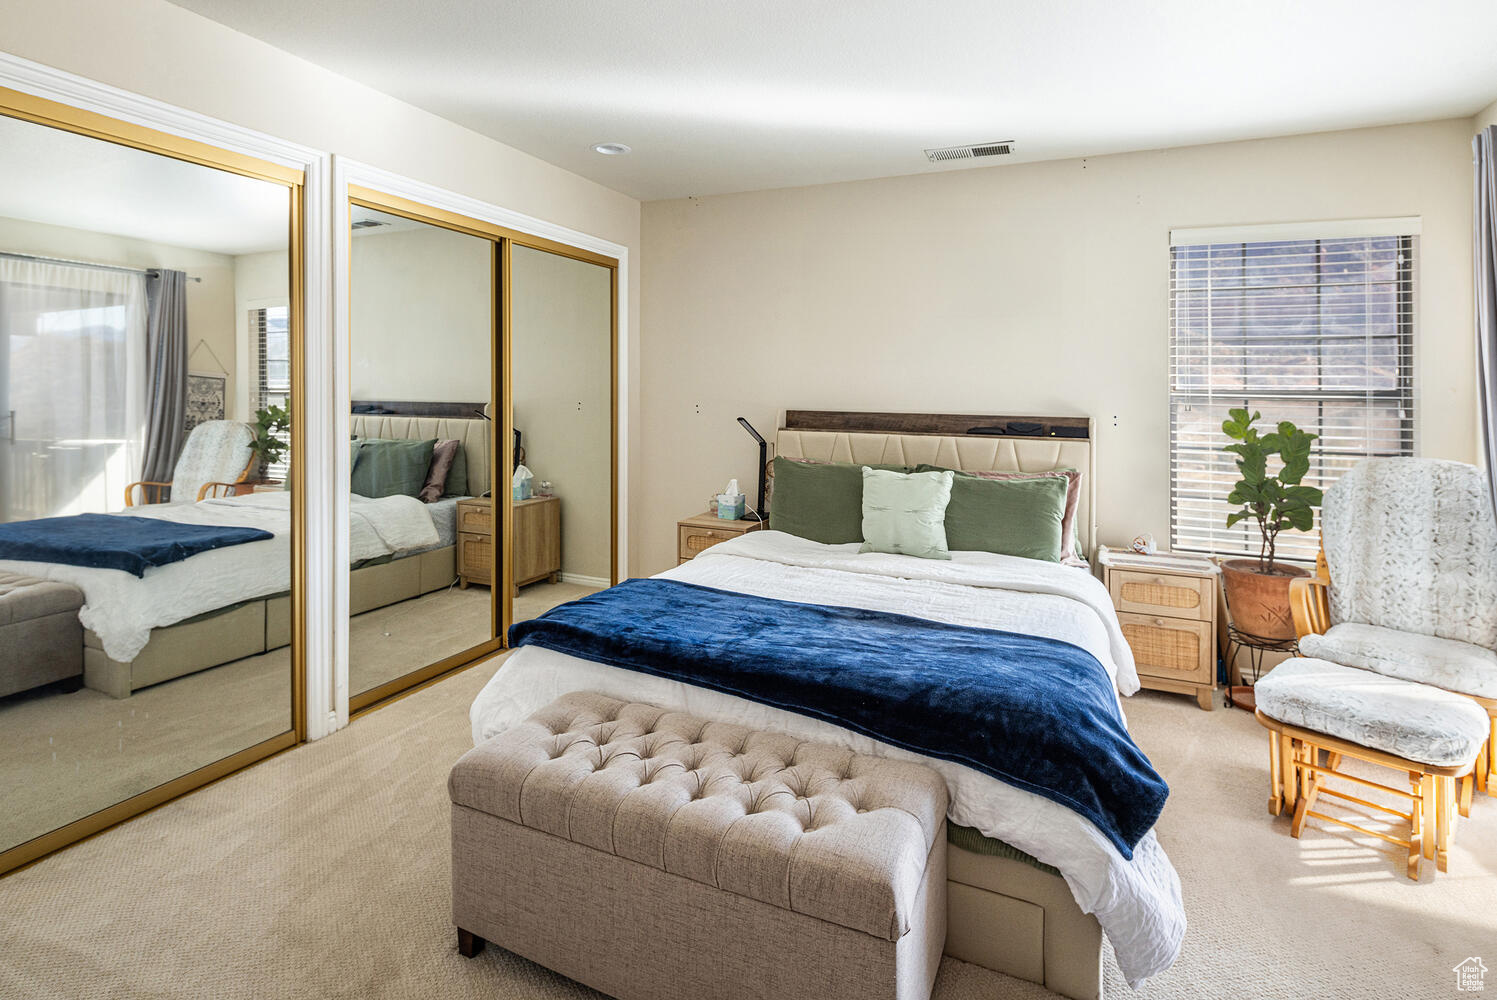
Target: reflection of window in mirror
(271, 385)
(133, 289)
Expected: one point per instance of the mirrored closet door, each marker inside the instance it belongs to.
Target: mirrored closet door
(561, 396)
(423, 310)
(471, 348)
(149, 356)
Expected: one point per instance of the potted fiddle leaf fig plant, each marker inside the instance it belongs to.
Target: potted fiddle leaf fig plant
(271, 423)
(1258, 589)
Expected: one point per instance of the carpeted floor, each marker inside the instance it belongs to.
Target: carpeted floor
(324, 873)
(64, 755)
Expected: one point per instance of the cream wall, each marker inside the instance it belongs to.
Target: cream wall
(210, 302)
(153, 48)
(560, 352)
(261, 281)
(1035, 288)
(421, 316)
(1485, 117)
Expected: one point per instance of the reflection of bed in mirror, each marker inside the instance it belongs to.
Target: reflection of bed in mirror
(384, 581)
(229, 603)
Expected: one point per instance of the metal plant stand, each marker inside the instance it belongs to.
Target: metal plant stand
(1240, 695)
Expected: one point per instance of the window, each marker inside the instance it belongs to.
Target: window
(1314, 329)
(272, 375)
(72, 386)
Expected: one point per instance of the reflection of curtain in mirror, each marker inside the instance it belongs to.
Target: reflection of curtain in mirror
(72, 383)
(166, 362)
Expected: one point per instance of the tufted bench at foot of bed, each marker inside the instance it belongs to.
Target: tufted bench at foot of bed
(40, 638)
(651, 854)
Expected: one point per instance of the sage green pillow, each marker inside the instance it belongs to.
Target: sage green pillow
(905, 512)
(385, 467)
(819, 500)
(1013, 517)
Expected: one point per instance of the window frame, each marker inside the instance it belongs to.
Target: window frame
(1403, 395)
(259, 387)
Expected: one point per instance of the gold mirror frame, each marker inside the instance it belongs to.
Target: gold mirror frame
(26, 107)
(501, 468)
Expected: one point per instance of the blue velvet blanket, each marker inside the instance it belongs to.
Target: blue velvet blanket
(1039, 714)
(116, 541)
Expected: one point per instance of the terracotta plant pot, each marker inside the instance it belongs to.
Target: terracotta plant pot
(1259, 602)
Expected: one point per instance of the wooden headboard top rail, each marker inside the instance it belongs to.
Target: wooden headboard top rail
(417, 408)
(945, 424)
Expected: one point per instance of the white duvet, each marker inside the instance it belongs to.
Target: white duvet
(123, 608)
(1137, 902)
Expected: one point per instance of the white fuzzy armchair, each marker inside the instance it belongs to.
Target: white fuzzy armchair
(217, 455)
(1407, 580)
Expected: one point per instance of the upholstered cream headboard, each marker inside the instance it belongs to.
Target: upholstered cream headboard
(472, 433)
(972, 452)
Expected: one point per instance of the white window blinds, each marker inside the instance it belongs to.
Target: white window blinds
(271, 329)
(1319, 331)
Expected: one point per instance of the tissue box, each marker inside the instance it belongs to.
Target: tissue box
(730, 508)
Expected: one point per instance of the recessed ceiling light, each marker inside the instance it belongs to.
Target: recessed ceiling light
(611, 148)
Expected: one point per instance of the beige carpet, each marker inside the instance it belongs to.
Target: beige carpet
(324, 873)
(393, 641)
(64, 755)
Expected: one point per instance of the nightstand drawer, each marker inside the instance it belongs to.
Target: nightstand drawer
(475, 558)
(1173, 648)
(1163, 594)
(475, 517)
(692, 539)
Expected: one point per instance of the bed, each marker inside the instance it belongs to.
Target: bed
(1031, 883)
(219, 606)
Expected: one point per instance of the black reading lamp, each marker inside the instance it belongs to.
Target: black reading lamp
(763, 462)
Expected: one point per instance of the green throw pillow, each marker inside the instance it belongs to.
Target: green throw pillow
(820, 501)
(385, 467)
(1013, 517)
(905, 513)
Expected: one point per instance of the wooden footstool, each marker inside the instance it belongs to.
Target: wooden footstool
(651, 854)
(1318, 713)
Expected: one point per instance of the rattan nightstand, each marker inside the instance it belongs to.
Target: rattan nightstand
(704, 531)
(1167, 606)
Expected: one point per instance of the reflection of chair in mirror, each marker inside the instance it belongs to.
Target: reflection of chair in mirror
(217, 457)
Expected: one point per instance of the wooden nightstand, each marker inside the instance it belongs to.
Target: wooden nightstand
(537, 541)
(1167, 606)
(704, 531)
(475, 541)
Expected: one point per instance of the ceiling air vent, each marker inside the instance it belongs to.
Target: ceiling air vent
(1000, 148)
(367, 224)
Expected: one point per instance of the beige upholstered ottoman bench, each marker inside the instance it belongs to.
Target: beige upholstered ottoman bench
(41, 640)
(651, 854)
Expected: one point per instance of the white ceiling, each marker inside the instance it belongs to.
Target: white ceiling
(70, 180)
(387, 223)
(718, 96)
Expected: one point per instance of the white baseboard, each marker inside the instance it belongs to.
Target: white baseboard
(585, 581)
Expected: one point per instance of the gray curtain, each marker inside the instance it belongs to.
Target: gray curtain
(166, 371)
(1485, 148)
